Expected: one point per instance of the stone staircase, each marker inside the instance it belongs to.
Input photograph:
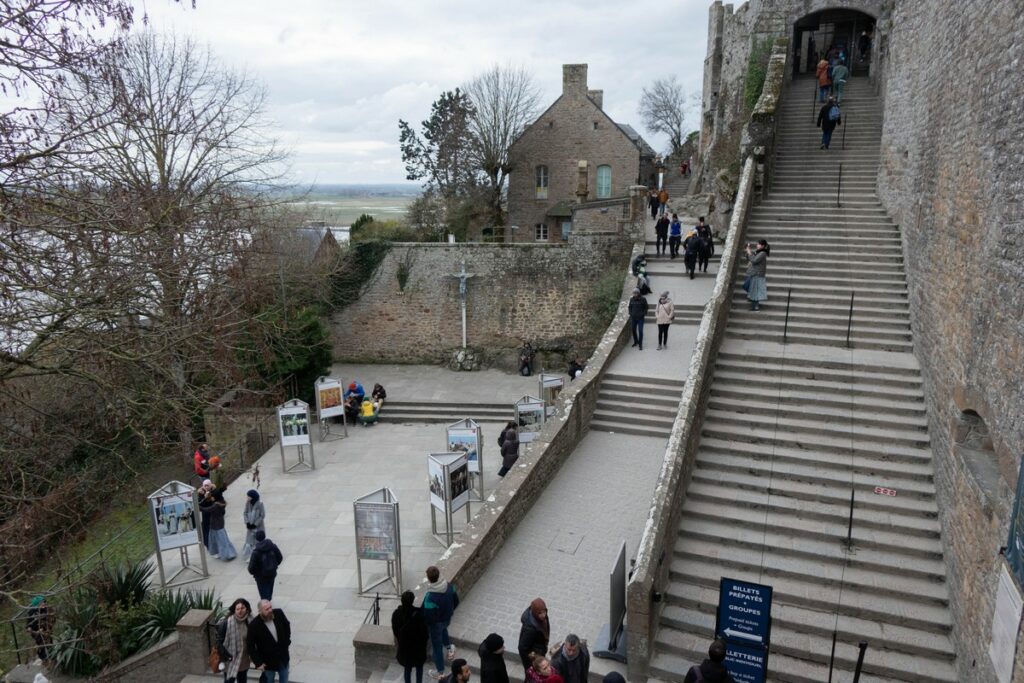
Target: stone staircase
(643, 406)
(791, 430)
(398, 411)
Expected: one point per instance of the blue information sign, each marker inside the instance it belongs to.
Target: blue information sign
(744, 612)
(1015, 544)
(747, 664)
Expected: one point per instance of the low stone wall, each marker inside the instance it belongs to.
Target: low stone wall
(184, 652)
(494, 521)
(650, 570)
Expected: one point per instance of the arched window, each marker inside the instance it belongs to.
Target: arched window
(542, 182)
(604, 182)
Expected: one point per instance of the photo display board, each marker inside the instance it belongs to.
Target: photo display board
(448, 477)
(550, 387)
(376, 530)
(293, 423)
(465, 437)
(174, 517)
(328, 398)
(530, 416)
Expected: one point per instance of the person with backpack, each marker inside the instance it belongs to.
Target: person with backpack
(439, 603)
(712, 669)
(829, 117)
(411, 635)
(263, 563)
(693, 245)
(704, 230)
(675, 236)
(839, 75)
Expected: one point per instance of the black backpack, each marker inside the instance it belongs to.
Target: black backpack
(263, 563)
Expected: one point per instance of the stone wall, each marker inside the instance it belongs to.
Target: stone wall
(573, 129)
(650, 571)
(184, 652)
(952, 176)
(541, 293)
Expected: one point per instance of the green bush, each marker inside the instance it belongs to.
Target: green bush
(391, 231)
(604, 301)
(124, 585)
(358, 225)
(73, 653)
(757, 69)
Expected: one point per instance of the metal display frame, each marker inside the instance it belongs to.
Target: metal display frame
(529, 403)
(325, 420)
(381, 500)
(548, 384)
(301, 465)
(196, 573)
(476, 467)
(442, 466)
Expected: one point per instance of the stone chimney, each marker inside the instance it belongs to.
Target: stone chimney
(574, 80)
(598, 97)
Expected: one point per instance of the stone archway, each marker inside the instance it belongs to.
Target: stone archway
(815, 34)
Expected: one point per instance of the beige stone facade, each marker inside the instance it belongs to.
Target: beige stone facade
(572, 153)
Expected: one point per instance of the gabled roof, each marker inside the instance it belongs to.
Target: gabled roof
(630, 132)
(626, 130)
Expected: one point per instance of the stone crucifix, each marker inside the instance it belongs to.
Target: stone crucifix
(463, 277)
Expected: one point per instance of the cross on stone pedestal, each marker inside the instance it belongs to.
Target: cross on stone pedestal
(463, 276)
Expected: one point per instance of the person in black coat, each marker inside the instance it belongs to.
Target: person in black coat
(508, 441)
(492, 660)
(268, 653)
(410, 629)
(712, 669)
(535, 632)
(827, 123)
(637, 312)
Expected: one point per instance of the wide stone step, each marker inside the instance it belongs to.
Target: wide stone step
(863, 391)
(638, 416)
(800, 656)
(855, 341)
(822, 442)
(840, 377)
(878, 271)
(862, 433)
(874, 369)
(814, 468)
(835, 510)
(781, 278)
(635, 397)
(429, 411)
(647, 409)
(826, 333)
(839, 226)
(866, 416)
(838, 300)
(640, 385)
(617, 427)
(799, 399)
(863, 602)
(835, 323)
(672, 667)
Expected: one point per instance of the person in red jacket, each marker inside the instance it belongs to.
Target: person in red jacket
(201, 461)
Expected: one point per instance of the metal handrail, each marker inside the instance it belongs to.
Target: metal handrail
(849, 320)
(839, 186)
(785, 329)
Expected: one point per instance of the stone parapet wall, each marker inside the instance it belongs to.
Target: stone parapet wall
(540, 293)
(184, 652)
(650, 571)
(952, 177)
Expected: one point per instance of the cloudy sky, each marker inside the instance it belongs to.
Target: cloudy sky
(340, 74)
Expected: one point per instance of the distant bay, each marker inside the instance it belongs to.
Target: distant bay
(339, 205)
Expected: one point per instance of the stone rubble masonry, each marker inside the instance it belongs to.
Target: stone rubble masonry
(650, 572)
(536, 292)
(573, 129)
(466, 560)
(185, 651)
(952, 176)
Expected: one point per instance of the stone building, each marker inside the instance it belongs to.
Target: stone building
(573, 153)
(947, 74)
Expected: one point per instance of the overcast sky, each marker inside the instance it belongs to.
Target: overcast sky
(340, 74)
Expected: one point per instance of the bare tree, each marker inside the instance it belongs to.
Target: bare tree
(505, 100)
(663, 109)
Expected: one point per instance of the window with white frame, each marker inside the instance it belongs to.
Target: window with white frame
(542, 232)
(604, 182)
(542, 182)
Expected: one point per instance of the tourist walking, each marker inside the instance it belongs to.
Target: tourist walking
(756, 285)
(662, 201)
(572, 660)
(220, 545)
(661, 236)
(637, 312)
(541, 671)
(534, 632)
(829, 117)
(268, 640)
(664, 314)
(232, 632)
(711, 669)
(439, 603)
(411, 635)
(653, 203)
(839, 75)
(675, 236)
(508, 442)
(693, 245)
(263, 564)
(253, 515)
(824, 82)
(492, 660)
(704, 230)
